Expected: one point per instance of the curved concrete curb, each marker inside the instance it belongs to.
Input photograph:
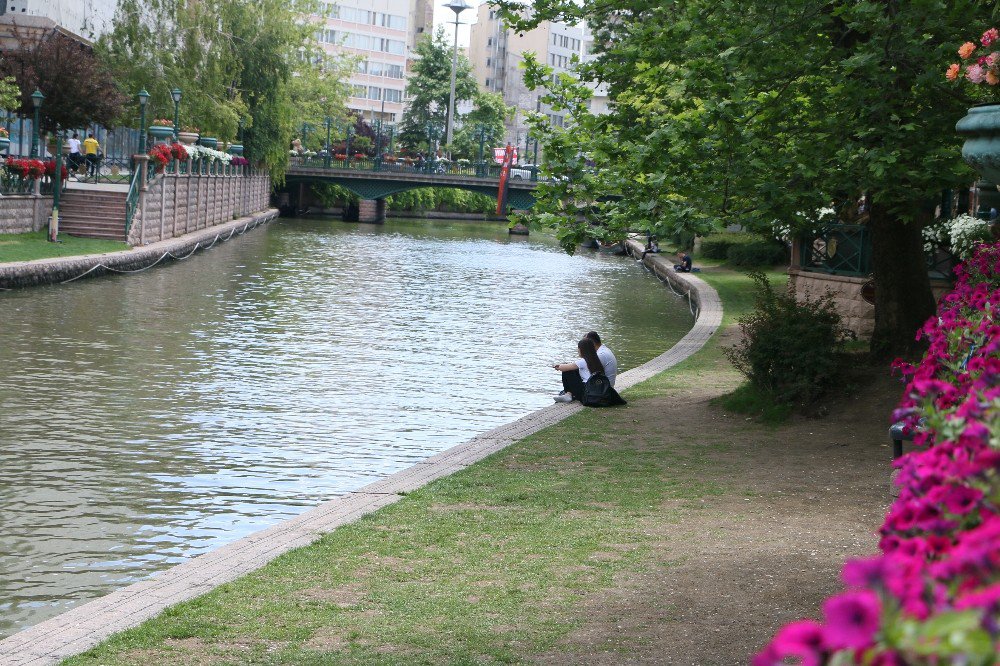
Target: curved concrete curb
(60, 269)
(83, 627)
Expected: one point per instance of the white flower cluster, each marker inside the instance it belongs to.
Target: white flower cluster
(961, 234)
(203, 153)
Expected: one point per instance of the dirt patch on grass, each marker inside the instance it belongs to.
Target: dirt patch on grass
(730, 569)
(345, 596)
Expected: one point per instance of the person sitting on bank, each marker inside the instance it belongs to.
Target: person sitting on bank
(685, 265)
(576, 373)
(606, 356)
(652, 247)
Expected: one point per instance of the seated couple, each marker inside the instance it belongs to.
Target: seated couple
(595, 358)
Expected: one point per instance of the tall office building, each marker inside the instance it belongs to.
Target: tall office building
(496, 53)
(379, 33)
(85, 20)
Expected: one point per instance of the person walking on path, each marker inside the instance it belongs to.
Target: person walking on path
(92, 149)
(75, 158)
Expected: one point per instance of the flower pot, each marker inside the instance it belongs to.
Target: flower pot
(235, 149)
(161, 131)
(4, 143)
(209, 142)
(187, 138)
(981, 150)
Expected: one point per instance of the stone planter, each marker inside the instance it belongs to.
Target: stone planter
(981, 150)
(160, 131)
(187, 138)
(235, 149)
(209, 142)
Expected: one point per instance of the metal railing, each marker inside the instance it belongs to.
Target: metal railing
(841, 249)
(489, 170)
(132, 200)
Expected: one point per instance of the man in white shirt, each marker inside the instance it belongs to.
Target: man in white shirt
(75, 158)
(607, 357)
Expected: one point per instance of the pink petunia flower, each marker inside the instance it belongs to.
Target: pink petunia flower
(851, 620)
(975, 74)
(989, 36)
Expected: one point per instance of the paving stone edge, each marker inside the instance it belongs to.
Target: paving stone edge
(85, 626)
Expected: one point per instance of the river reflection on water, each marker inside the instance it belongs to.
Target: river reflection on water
(148, 419)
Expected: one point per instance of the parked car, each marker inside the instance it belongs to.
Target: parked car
(524, 171)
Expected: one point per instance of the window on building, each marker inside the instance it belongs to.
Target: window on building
(392, 95)
(487, 83)
(489, 62)
(374, 92)
(489, 41)
(395, 72)
(358, 90)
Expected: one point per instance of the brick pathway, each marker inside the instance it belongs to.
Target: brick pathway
(85, 626)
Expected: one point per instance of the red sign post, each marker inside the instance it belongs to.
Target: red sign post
(509, 153)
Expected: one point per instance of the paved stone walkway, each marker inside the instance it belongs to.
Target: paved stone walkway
(83, 627)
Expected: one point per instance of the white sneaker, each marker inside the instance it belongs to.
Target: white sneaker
(563, 397)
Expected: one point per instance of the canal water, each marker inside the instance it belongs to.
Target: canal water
(151, 418)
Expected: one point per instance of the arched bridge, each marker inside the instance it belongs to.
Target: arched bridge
(374, 180)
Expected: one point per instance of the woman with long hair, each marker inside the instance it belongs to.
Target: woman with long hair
(576, 374)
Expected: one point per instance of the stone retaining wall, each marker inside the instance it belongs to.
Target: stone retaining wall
(52, 271)
(20, 214)
(857, 313)
(176, 204)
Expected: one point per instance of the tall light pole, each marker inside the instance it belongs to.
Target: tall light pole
(143, 98)
(457, 6)
(175, 95)
(36, 101)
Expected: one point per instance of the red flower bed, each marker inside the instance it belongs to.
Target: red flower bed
(26, 168)
(161, 154)
(933, 595)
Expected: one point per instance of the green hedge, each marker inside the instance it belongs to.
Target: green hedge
(743, 250)
(764, 253)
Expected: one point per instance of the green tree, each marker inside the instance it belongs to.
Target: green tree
(489, 112)
(254, 60)
(766, 113)
(429, 88)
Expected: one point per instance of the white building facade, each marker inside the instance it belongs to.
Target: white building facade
(379, 34)
(84, 19)
(496, 53)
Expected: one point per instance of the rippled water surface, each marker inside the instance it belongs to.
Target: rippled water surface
(145, 420)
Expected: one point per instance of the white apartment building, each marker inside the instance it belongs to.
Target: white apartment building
(496, 53)
(379, 33)
(84, 19)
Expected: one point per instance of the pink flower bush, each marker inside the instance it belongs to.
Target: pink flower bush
(984, 65)
(933, 594)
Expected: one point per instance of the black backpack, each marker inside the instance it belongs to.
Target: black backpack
(598, 392)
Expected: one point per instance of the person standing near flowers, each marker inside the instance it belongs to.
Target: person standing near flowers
(91, 148)
(75, 158)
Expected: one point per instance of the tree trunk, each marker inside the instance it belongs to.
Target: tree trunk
(903, 297)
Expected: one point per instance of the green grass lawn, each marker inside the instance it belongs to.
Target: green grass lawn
(35, 245)
(488, 565)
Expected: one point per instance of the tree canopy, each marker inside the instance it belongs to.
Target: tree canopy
(429, 89)
(764, 114)
(78, 90)
(250, 60)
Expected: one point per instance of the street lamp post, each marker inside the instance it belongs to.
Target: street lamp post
(36, 101)
(481, 164)
(378, 144)
(143, 98)
(432, 133)
(347, 147)
(175, 95)
(392, 136)
(457, 6)
(326, 160)
(57, 186)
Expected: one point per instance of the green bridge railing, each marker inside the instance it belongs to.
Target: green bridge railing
(487, 170)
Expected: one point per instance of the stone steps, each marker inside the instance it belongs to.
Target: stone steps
(93, 214)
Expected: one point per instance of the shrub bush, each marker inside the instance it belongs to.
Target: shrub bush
(716, 246)
(933, 594)
(789, 349)
(757, 254)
